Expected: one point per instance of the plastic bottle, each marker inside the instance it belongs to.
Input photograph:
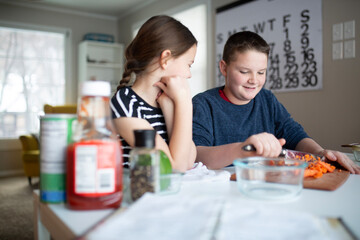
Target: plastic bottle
(94, 160)
(144, 164)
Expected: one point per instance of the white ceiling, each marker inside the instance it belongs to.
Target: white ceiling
(113, 8)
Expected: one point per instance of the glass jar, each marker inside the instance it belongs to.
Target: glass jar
(144, 164)
(94, 160)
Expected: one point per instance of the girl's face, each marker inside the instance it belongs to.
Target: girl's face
(181, 65)
(245, 76)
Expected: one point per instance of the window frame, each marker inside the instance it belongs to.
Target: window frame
(67, 52)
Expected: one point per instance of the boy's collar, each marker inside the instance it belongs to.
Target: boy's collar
(223, 96)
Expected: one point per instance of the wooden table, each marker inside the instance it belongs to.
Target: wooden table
(56, 221)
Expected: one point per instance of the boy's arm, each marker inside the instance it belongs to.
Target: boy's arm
(309, 145)
(266, 145)
(219, 156)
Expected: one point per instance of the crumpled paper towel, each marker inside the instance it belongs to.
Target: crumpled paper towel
(201, 172)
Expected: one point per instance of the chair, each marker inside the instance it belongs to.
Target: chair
(30, 156)
(70, 108)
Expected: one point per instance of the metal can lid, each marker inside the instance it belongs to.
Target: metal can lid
(95, 88)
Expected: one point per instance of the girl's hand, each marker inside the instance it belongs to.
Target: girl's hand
(342, 159)
(165, 102)
(177, 88)
(266, 144)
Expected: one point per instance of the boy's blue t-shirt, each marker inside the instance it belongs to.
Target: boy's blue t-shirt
(218, 122)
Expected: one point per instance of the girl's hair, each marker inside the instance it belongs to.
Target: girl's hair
(241, 42)
(157, 34)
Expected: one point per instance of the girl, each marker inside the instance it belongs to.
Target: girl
(159, 60)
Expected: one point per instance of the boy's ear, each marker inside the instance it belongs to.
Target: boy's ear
(222, 66)
(164, 58)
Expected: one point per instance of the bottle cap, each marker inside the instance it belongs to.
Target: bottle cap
(95, 88)
(145, 138)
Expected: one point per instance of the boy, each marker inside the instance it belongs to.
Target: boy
(227, 118)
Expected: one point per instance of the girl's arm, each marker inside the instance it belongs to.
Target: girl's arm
(125, 128)
(182, 162)
(181, 146)
(181, 143)
(167, 107)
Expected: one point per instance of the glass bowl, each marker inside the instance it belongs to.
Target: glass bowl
(170, 183)
(356, 151)
(269, 178)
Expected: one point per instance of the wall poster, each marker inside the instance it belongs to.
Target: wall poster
(293, 30)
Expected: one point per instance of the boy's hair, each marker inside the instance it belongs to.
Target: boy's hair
(244, 41)
(157, 34)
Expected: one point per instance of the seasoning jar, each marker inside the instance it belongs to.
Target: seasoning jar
(94, 160)
(144, 164)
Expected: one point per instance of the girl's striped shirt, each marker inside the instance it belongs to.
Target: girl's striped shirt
(126, 103)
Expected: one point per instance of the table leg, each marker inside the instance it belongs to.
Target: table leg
(40, 232)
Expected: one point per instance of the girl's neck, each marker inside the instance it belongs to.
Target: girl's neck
(143, 86)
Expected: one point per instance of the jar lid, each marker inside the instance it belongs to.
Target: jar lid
(95, 88)
(145, 138)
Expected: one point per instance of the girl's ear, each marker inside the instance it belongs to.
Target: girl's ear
(222, 66)
(164, 58)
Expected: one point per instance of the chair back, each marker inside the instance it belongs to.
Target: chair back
(30, 156)
(29, 142)
(71, 109)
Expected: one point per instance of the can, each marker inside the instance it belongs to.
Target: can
(55, 135)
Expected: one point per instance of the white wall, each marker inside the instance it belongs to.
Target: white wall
(78, 24)
(10, 158)
(330, 115)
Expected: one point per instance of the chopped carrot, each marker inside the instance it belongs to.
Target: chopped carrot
(319, 174)
(317, 169)
(328, 167)
(310, 172)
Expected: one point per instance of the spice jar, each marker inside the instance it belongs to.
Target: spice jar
(144, 164)
(94, 160)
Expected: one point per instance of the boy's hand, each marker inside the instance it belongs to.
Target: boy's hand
(266, 144)
(342, 159)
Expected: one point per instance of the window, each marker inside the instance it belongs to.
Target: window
(199, 79)
(32, 73)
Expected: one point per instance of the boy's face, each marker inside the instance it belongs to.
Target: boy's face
(245, 76)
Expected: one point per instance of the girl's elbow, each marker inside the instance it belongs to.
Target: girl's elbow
(182, 168)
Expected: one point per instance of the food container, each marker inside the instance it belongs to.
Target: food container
(355, 147)
(55, 135)
(270, 178)
(356, 151)
(170, 183)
